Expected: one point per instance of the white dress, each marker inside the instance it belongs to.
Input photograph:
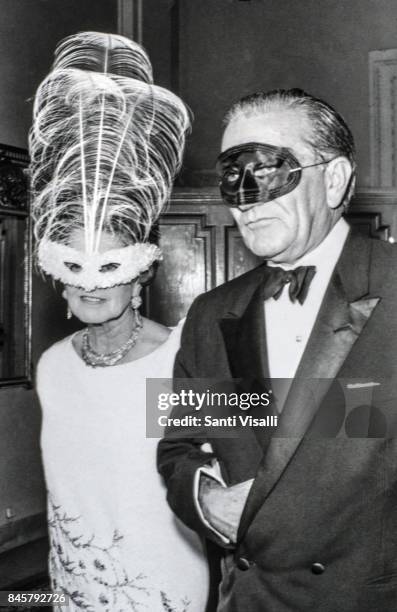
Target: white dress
(114, 543)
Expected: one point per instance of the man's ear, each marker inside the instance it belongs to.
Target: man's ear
(337, 177)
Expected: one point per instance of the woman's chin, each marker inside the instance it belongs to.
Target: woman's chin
(91, 318)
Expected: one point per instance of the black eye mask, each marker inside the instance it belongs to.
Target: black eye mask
(257, 173)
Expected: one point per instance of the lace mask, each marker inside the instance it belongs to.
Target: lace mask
(96, 270)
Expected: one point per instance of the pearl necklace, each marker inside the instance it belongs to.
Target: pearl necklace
(95, 359)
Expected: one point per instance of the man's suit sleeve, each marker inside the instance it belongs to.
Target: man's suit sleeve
(179, 458)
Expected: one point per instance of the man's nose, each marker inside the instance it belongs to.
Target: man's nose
(248, 181)
(247, 189)
(243, 207)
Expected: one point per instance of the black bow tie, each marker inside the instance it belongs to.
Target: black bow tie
(299, 281)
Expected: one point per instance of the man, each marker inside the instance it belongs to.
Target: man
(307, 516)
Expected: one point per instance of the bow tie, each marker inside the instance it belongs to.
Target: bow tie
(299, 280)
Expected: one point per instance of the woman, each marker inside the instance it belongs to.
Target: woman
(105, 146)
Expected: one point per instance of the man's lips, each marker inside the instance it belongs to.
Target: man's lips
(259, 221)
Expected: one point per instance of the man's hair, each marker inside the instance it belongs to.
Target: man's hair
(330, 135)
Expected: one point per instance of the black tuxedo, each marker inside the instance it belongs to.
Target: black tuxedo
(319, 529)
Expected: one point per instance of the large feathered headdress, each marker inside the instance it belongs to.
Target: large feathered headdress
(105, 146)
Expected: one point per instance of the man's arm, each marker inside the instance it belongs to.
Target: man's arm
(179, 460)
(197, 492)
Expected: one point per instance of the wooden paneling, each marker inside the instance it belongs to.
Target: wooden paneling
(381, 202)
(15, 268)
(383, 117)
(188, 244)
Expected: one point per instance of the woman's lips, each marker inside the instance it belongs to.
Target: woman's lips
(91, 299)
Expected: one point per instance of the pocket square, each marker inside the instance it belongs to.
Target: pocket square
(206, 447)
(362, 385)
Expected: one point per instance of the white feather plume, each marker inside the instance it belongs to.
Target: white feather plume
(108, 53)
(104, 148)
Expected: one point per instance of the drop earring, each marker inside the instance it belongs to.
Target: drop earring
(136, 303)
(136, 300)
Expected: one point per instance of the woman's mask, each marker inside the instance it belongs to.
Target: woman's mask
(97, 270)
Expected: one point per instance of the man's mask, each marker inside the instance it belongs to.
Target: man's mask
(254, 173)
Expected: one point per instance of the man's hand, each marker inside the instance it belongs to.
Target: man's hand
(223, 506)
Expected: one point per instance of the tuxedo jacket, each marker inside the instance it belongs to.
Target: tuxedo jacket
(319, 529)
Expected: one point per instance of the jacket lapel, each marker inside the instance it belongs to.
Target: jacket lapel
(345, 310)
(244, 336)
(245, 341)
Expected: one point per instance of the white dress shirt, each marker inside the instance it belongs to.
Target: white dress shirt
(289, 324)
